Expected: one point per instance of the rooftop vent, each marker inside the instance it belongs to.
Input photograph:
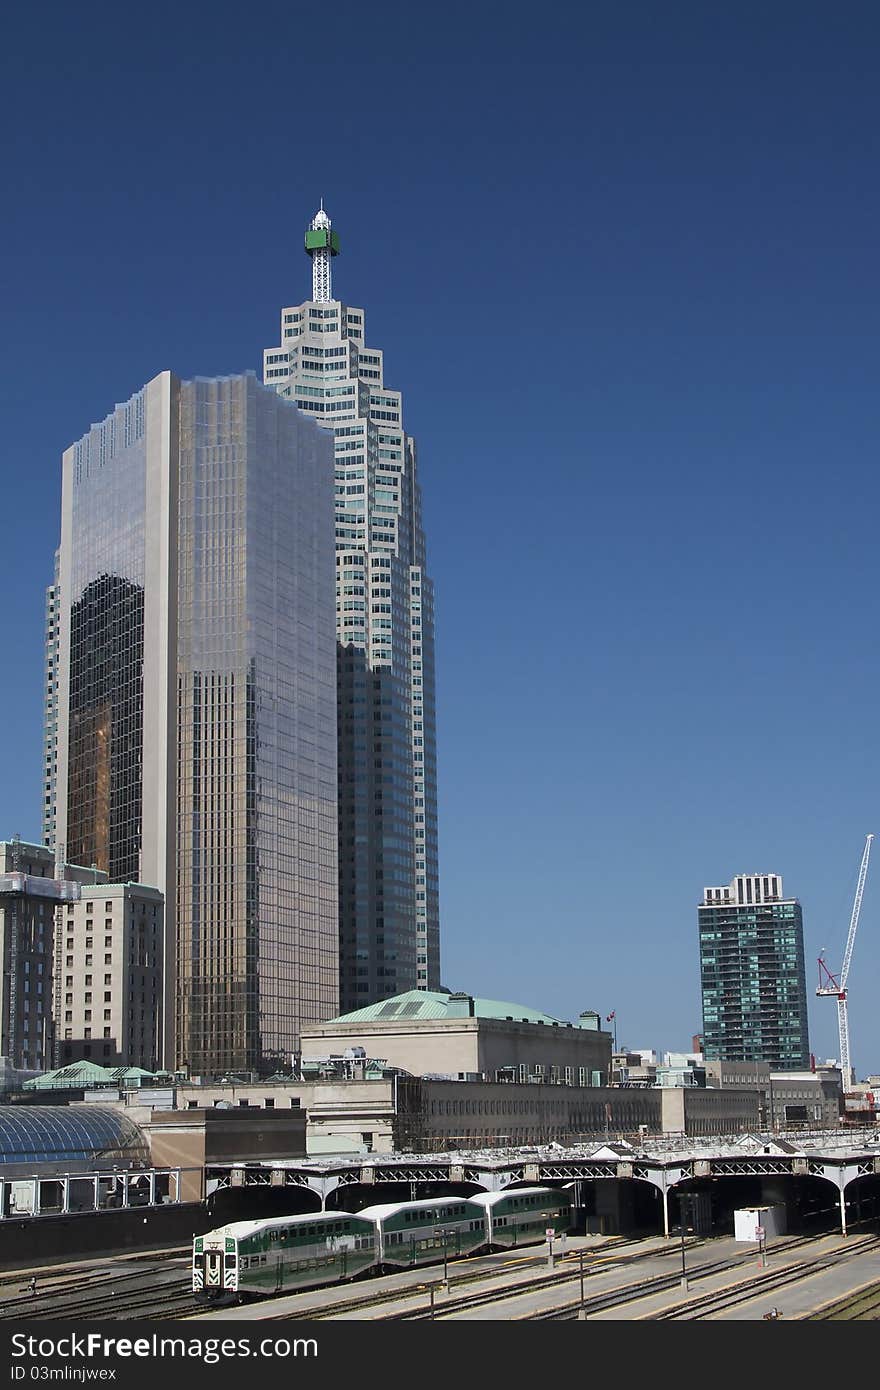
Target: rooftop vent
(460, 1006)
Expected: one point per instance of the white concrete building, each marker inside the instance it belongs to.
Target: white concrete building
(388, 888)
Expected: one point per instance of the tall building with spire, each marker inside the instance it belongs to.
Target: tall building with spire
(388, 871)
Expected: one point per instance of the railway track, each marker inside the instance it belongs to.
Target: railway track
(451, 1305)
(571, 1308)
(105, 1294)
(765, 1282)
(864, 1305)
(568, 1271)
(55, 1277)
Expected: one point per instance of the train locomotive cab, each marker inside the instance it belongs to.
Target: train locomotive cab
(215, 1266)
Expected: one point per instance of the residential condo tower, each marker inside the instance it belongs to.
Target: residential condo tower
(752, 974)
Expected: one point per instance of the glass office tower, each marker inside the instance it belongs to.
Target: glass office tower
(197, 710)
(388, 872)
(752, 974)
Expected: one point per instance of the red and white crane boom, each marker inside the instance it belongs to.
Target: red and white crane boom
(834, 986)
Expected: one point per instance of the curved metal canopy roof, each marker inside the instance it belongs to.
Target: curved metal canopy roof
(68, 1133)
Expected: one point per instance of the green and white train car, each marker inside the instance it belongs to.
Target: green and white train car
(283, 1254)
(523, 1215)
(418, 1233)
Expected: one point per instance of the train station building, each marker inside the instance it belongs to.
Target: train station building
(462, 1037)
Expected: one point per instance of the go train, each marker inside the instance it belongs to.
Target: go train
(283, 1254)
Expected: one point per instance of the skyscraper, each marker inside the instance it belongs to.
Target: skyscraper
(388, 873)
(752, 974)
(50, 712)
(196, 705)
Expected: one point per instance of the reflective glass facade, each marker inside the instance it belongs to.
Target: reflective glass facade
(388, 865)
(256, 706)
(752, 976)
(50, 712)
(106, 646)
(197, 709)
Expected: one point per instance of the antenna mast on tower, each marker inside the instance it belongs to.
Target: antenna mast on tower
(321, 244)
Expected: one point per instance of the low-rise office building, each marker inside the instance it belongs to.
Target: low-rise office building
(30, 896)
(789, 1099)
(108, 977)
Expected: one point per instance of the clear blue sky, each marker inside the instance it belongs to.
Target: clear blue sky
(622, 259)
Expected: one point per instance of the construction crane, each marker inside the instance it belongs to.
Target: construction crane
(834, 986)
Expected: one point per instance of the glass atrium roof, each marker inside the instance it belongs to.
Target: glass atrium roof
(67, 1133)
